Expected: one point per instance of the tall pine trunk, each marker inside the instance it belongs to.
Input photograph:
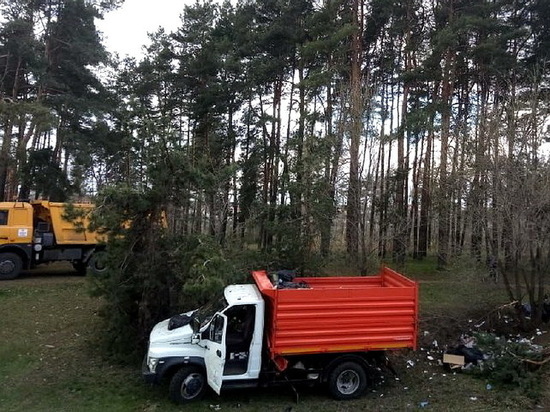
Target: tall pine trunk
(356, 123)
(444, 208)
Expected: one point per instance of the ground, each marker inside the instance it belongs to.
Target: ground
(49, 359)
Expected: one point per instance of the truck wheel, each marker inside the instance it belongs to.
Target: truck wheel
(10, 266)
(188, 384)
(98, 263)
(347, 380)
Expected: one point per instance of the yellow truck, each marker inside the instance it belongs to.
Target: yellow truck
(39, 232)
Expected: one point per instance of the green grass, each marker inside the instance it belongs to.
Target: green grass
(50, 361)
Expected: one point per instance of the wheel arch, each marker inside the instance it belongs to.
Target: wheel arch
(171, 365)
(23, 251)
(361, 358)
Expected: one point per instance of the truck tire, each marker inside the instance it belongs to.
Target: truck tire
(348, 380)
(10, 266)
(97, 262)
(187, 385)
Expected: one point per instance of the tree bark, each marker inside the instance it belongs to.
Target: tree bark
(356, 111)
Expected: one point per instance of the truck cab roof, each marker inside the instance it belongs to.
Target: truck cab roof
(242, 295)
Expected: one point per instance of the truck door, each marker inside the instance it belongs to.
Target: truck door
(15, 224)
(4, 229)
(215, 352)
(239, 336)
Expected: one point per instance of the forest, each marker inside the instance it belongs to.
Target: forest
(299, 131)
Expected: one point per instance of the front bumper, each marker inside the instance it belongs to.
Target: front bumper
(148, 376)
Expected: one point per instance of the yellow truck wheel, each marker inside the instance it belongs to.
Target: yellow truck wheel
(10, 266)
(98, 262)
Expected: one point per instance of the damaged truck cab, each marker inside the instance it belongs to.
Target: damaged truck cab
(327, 330)
(217, 344)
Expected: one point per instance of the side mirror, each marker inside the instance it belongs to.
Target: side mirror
(195, 339)
(195, 325)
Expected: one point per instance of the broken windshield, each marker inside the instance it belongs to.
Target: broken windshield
(205, 312)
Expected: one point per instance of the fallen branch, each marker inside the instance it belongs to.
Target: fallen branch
(497, 310)
(530, 361)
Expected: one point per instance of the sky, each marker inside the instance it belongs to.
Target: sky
(125, 29)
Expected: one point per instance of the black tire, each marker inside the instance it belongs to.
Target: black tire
(80, 267)
(98, 262)
(10, 266)
(188, 384)
(348, 380)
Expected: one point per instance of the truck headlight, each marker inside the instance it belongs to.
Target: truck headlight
(152, 364)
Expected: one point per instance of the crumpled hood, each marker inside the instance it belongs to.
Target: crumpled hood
(161, 334)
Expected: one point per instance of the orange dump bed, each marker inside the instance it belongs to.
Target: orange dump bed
(67, 232)
(340, 314)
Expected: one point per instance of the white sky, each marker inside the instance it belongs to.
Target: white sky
(125, 30)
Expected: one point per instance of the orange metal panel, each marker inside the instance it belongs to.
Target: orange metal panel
(341, 314)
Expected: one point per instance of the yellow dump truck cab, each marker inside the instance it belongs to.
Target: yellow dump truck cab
(16, 232)
(39, 232)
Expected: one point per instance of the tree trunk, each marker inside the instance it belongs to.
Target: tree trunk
(356, 110)
(443, 198)
(425, 196)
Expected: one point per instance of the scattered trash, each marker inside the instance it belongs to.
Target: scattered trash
(495, 357)
(468, 366)
(430, 358)
(49, 346)
(215, 407)
(473, 398)
(464, 354)
(454, 361)
(434, 344)
(410, 363)
(467, 341)
(424, 404)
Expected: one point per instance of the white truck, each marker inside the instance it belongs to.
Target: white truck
(330, 330)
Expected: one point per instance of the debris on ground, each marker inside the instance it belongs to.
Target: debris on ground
(465, 353)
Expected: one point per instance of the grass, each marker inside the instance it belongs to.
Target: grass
(49, 360)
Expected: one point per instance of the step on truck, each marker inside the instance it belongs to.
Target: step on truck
(318, 330)
(39, 232)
